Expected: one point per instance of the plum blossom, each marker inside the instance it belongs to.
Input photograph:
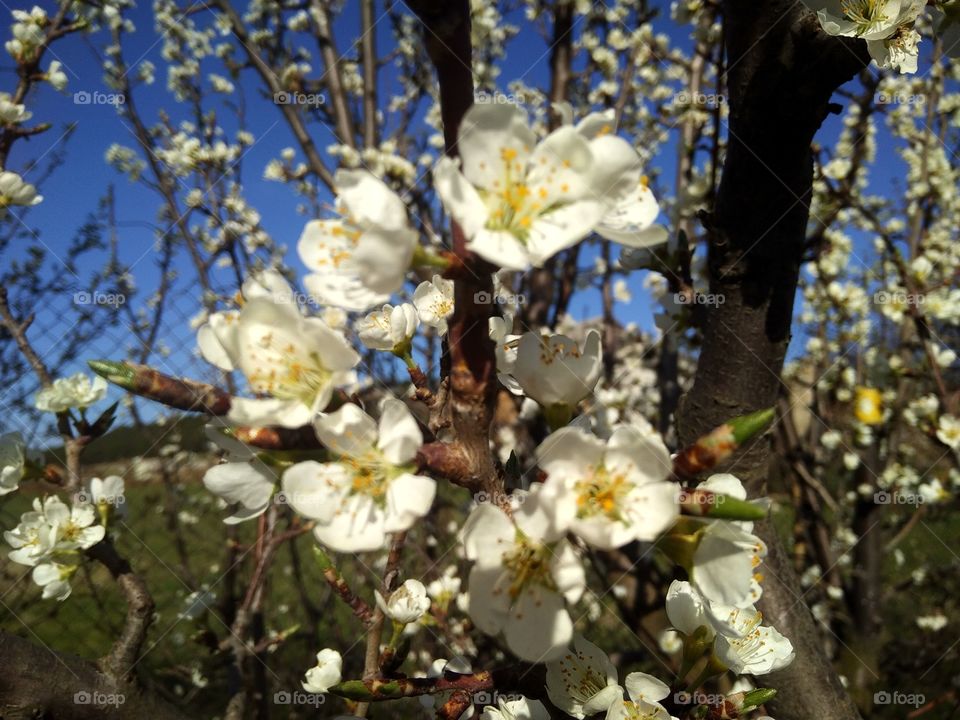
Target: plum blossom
(555, 370)
(243, 480)
(12, 113)
(524, 573)
(12, 461)
(50, 538)
(584, 681)
(886, 25)
(741, 643)
(752, 648)
(325, 674)
(371, 490)
(434, 302)
(630, 220)
(54, 578)
(390, 328)
(56, 76)
(76, 391)
(294, 359)
(406, 604)
(610, 493)
(518, 201)
(106, 491)
(519, 709)
(948, 431)
(359, 259)
(15, 191)
(645, 692)
(725, 561)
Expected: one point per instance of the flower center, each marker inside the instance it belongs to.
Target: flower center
(865, 13)
(552, 349)
(514, 205)
(299, 379)
(529, 564)
(372, 475)
(752, 643)
(601, 493)
(634, 712)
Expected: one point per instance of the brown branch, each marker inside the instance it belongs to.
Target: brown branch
(125, 653)
(18, 331)
(369, 45)
(469, 360)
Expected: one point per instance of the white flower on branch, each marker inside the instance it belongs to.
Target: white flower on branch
(645, 692)
(12, 461)
(326, 673)
(555, 370)
(359, 259)
(406, 604)
(610, 493)
(524, 573)
(520, 202)
(740, 641)
(296, 360)
(14, 191)
(390, 328)
(243, 480)
(584, 681)
(12, 113)
(634, 210)
(76, 391)
(371, 490)
(886, 25)
(519, 709)
(51, 538)
(434, 302)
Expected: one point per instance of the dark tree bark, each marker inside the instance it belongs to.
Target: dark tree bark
(40, 683)
(782, 70)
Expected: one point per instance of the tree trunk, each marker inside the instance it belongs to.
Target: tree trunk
(782, 70)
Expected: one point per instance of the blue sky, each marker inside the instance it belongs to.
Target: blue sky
(74, 191)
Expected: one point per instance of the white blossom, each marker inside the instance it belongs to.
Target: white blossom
(76, 391)
(371, 490)
(434, 302)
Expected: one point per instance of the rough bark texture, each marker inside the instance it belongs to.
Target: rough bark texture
(469, 359)
(782, 70)
(39, 683)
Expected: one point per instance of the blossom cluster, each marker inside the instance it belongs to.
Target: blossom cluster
(52, 537)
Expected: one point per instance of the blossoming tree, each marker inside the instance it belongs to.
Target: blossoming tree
(432, 369)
